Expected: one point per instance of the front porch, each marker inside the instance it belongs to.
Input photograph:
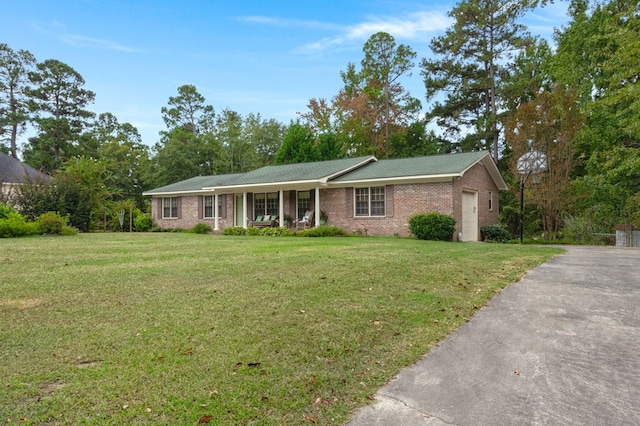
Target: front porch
(282, 207)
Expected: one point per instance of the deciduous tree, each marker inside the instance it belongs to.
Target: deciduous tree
(298, 146)
(383, 64)
(598, 54)
(265, 136)
(126, 157)
(373, 104)
(549, 123)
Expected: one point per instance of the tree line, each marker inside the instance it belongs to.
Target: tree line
(490, 84)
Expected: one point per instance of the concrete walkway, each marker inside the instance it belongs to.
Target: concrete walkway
(560, 347)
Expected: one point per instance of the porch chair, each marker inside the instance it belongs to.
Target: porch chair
(306, 221)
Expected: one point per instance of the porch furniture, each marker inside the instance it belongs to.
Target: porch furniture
(306, 221)
(265, 221)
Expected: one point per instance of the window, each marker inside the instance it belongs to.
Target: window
(490, 200)
(259, 205)
(304, 203)
(208, 206)
(272, 203)
(377, 201)
(170, 207)
(265, 204)
(370, 201)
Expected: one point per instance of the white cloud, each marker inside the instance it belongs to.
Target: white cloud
(90, 42)
(289, 23)
(413, 27)
(53, 29)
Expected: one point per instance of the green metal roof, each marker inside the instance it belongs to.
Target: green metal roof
(315, 171)
(194, 184)
(434, 165)
(339, 171)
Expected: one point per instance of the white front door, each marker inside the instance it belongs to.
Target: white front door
(469, 216)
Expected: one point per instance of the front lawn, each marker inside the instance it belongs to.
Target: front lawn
(185, 328)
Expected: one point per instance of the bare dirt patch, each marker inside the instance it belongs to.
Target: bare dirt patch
(20, 303)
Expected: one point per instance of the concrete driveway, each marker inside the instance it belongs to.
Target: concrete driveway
(560, 347)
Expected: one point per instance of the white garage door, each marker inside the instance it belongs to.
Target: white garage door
(469, 216)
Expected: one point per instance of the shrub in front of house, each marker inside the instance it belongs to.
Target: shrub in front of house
(322, 231)
(252, 231)
(143, 222)
(281, 231)
(432, 226)
(495, 233)
(201, 228)
(234, 230)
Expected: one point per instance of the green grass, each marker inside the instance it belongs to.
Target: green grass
(169, 328)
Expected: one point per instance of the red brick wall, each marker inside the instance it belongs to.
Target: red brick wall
(190, 214)
(408, 200)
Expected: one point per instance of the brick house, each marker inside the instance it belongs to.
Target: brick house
(361, 195)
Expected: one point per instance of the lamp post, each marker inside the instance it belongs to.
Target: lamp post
(529, 163)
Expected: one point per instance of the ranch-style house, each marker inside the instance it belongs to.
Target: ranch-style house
(362, 195)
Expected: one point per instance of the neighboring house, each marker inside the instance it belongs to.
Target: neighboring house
(361, 195)
(14, 173)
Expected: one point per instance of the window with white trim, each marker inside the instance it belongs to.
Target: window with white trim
(304, 203)
(490, 200)
(265, 203)
(208, 206)
(170, 208)
(272, 203)
(370, 201)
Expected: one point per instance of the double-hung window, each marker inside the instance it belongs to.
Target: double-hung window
(370, 201)
(170, 207)
(265, 203)
(272, 203)
(208, 205)
(259, 205)
(304, 203)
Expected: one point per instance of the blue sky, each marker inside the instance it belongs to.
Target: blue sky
(267, 57)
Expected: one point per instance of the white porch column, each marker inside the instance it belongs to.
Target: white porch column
(316, 215)
(216, 213)
(244, 210)
(281, 209)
